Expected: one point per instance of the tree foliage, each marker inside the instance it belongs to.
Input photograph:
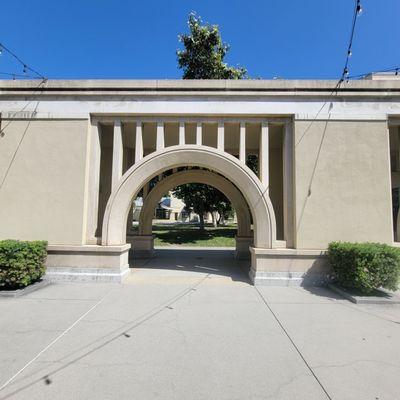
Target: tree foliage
(201, 198)
(203, 57)
(204, 52)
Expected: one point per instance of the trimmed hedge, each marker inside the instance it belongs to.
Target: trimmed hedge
(365, 266)
(21, 263)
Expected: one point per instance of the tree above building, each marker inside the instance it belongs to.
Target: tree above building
(204, 52)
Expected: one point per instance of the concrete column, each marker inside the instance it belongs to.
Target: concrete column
(264, 155)
(199, 134)
(181, 133)
(139, 142)
(221, 136)
(242, 143)
(288, 183)
(118, 152)
(92, 196)
(160, 143)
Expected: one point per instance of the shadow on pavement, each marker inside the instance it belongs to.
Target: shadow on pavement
(210, 261)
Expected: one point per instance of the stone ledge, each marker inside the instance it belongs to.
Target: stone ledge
(288, 252)
(288, 278)
(289, 267)
(379, 296)
(26, 290)
(91, 248)
(74, 274)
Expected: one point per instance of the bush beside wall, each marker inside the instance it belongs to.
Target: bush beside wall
(21, 263)
(365, 266)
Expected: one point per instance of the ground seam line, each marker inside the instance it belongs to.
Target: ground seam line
(293, 344)
(52, 343)
(151, 314)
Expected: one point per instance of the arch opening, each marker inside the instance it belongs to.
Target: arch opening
(143, 242)
(255, 194)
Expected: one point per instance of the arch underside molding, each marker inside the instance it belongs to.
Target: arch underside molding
(255, 194)
(195, 176)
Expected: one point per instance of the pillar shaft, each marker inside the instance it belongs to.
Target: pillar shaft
(264, 155)
(139, 142)
(181, 133)
(288, 182)
(199, 134)
(118, 152)
(93, 184)
(160, 144)
(242, 143)
(221, 137)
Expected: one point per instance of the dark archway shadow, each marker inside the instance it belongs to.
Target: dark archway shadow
(203, 260)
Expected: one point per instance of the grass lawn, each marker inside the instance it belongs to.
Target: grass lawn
(190, 235)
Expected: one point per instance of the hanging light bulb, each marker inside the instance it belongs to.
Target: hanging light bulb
(359, 7)
(1, 50)
(349, 53)
(24, 70)
(345, 72)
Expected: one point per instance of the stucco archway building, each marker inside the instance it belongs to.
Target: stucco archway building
(74, 154)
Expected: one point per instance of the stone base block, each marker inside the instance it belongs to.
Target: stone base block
(243, 244)
(142, 245)
(88, 263)
(289, 267)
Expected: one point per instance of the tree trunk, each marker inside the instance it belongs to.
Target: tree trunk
(201, 219)
(214, 218)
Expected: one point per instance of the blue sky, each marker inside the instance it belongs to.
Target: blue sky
(138, 39)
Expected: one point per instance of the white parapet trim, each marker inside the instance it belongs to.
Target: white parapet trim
(87, 263)
(289, 267)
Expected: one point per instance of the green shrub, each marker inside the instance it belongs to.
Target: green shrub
(21, 263)
(365, 266)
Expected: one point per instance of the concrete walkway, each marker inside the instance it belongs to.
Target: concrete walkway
(189, 326)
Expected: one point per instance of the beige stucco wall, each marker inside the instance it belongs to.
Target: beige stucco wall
(350, 195)
(43, 195)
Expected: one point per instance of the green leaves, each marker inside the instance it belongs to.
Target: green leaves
(365, 266)
(21, 263)
(204, 53)
(202, 198)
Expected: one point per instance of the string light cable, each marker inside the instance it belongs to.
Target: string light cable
(25, 66)
(345, 71)
(10, 164)
(395, 69)
(39, 87)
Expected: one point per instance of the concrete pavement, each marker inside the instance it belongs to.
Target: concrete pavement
(188, 325)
